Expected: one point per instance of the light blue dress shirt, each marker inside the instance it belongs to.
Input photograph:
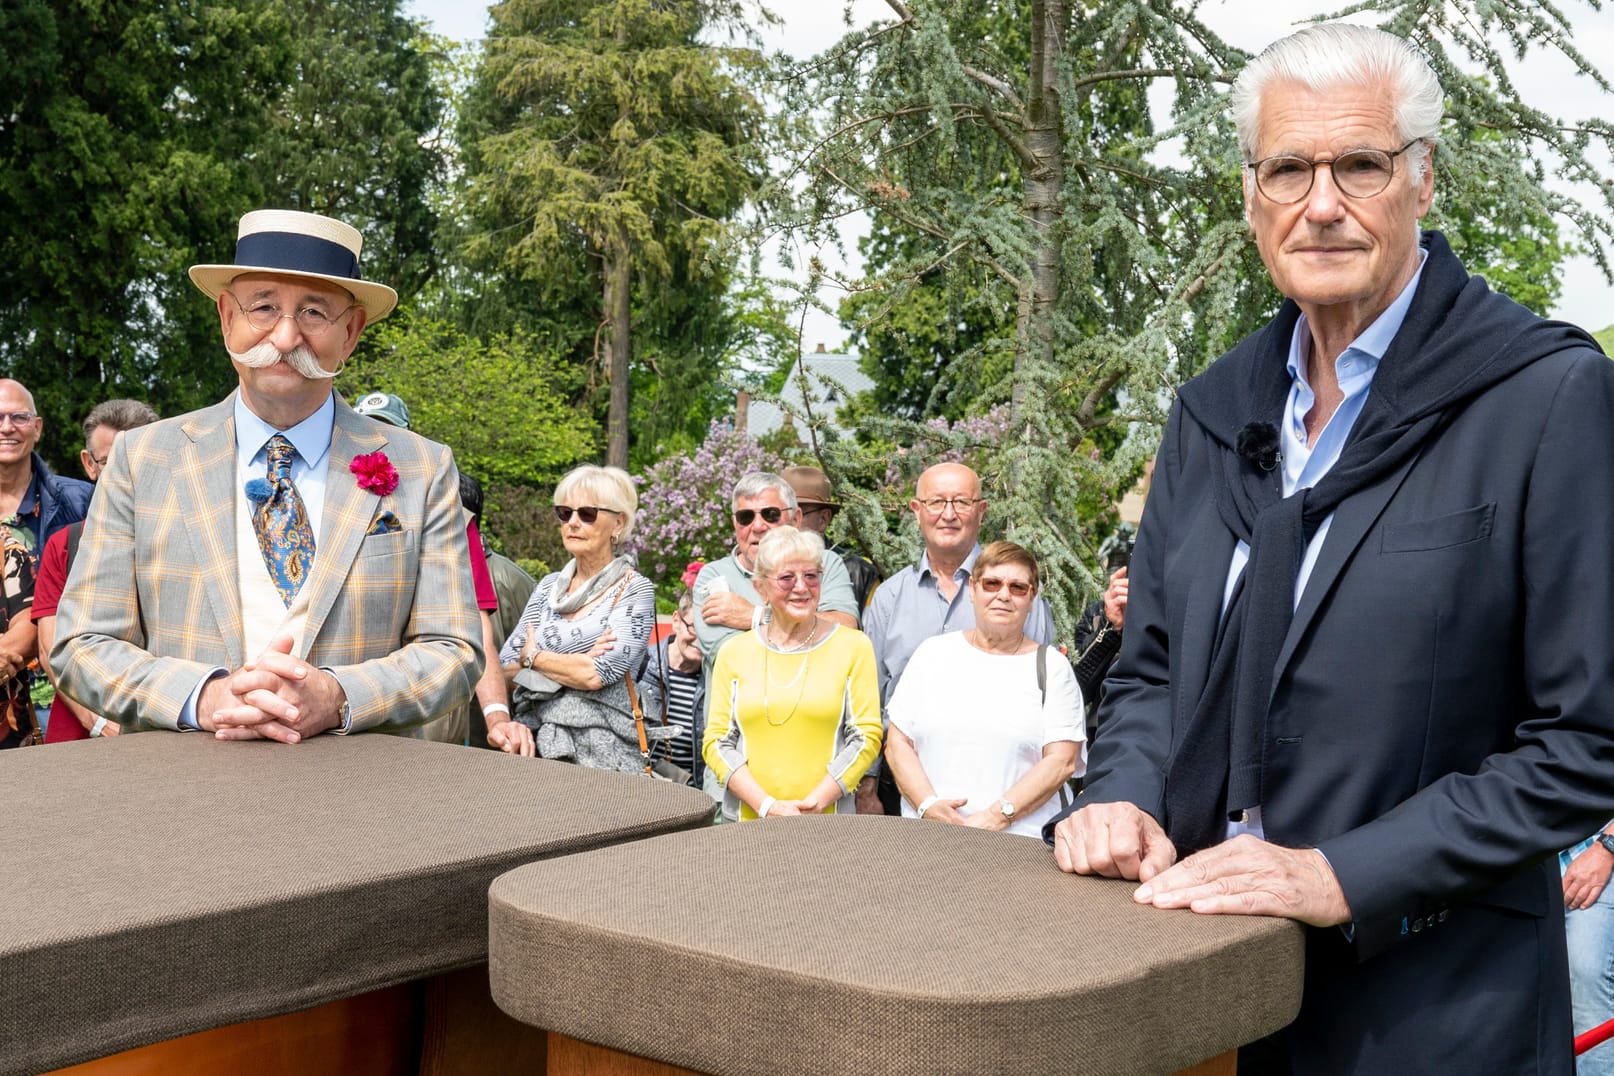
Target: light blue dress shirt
(1304, 465)
(312, 439)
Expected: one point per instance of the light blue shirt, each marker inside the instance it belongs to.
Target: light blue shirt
(312, 440)
(1304, 465)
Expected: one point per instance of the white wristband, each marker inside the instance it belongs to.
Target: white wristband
(496, 708)
(767, 805)
(99, 726)
(928, 802)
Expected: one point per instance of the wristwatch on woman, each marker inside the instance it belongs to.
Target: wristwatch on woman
(1007, 808)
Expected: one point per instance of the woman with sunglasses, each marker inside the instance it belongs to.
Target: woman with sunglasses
(586, 626)
(979, 735)
(793, 709)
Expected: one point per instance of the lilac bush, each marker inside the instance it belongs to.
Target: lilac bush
(684, 503)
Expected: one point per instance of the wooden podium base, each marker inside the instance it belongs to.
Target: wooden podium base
(444, 1026)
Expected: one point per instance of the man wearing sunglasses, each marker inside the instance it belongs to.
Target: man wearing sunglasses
(1367, 681)
(726, 602)
(275, 566)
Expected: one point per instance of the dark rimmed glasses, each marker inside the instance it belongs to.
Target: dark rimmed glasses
(937, 506)
(1018, 587)
(586, 514)
(744, 516)
(1359, 173)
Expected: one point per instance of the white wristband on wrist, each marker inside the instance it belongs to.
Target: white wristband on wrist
(496, 708)
(928, 802)
(99, 727)
(767, 805)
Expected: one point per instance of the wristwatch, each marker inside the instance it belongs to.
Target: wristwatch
(1607, 841)
(1007, 808)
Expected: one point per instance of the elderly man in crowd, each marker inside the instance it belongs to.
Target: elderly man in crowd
(1367, 680)
(34, 504)
(816, 499)
(68, 720)
(275, 565)
(726, 601)
(932, 597)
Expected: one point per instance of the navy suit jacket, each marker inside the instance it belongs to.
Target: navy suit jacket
(1442, 716)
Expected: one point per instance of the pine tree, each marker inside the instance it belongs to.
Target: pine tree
(1016, 152)
(614, 146)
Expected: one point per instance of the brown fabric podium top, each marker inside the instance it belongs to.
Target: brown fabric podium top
(166, 883)
(835, 945)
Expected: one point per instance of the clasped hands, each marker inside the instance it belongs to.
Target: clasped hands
(1243, 876)
(274, 697)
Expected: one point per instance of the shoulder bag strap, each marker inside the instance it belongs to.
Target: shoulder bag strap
(638, 723)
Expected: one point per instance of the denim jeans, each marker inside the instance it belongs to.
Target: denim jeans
(1591, 971)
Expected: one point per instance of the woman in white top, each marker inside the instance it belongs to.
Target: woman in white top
(974, 739)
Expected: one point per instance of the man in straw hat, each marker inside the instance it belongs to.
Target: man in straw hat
(275, 566)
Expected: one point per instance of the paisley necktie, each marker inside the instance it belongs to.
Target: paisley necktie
(284, 535)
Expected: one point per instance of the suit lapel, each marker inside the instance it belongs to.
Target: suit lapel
(205, 487)
(1352, 520)
(349, 512)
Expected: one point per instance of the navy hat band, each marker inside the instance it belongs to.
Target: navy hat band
(296, 253)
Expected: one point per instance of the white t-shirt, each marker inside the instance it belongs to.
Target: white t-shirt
(979, 722)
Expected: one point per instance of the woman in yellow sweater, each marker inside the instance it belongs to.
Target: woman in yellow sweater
(793, 711)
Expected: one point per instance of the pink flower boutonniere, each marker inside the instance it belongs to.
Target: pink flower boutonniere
(375, 473)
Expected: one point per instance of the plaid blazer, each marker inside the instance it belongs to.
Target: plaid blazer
(153, 602)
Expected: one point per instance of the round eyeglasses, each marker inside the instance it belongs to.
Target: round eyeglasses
(1360, 173)
(312, 321)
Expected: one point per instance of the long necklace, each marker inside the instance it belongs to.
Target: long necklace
(979, 642)
(799, 678)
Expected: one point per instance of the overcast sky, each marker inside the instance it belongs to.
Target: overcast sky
(810, 26)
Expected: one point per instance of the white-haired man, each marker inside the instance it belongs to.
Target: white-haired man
(1367, 680)
(275, 566)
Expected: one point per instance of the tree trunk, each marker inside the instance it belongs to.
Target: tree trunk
(618, 306)
(1044, 180)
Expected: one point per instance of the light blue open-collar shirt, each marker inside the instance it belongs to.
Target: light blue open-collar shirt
(1304, 465)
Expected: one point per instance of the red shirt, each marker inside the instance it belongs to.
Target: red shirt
(481, 578)
(51, 577)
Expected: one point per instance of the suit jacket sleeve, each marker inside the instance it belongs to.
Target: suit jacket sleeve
(1128, 762)
(434, 665)
(100, 654)
(1471, 834)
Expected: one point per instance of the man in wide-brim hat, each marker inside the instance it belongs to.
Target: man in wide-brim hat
(275, 566)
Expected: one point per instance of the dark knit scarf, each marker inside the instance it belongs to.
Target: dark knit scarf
(1459, 339)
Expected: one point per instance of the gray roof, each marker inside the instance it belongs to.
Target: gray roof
(832, 377)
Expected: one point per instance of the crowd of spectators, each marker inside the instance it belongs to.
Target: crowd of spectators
(773, 685)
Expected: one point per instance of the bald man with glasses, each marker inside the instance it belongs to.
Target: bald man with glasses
(931, 597)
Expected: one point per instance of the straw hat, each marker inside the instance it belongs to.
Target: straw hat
(308, 245)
